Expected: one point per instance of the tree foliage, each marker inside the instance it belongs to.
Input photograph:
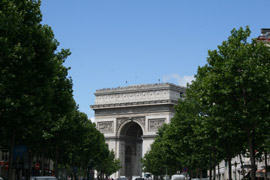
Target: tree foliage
(37, 108)
(226, 108)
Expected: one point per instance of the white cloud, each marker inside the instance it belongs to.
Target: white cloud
(176, 78)
(92, 119)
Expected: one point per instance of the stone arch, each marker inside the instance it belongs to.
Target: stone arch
(130, 147)
(122, 125)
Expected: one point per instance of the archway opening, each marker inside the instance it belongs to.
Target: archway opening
(131, 145)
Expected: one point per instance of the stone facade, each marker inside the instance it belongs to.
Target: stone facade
(129, 118)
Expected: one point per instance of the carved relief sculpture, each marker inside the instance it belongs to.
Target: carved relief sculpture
(105, 127)
(154, 124)
(140, 120)
(120, 121)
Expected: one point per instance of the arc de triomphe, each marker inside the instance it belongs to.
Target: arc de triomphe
(129, 118)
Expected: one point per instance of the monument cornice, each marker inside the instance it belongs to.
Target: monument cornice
(139, 88)
(123, 138)
(134, 104)
(142, 110)
(149, 136)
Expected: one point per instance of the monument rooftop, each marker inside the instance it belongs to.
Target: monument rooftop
(138, 95)
(139, 88)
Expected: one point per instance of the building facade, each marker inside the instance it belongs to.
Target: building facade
(129, 118)
(240, 168)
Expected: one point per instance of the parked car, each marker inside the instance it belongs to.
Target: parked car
(139, 178)
(178, 177)
(43, 178)
(148, 176)
(134, 177)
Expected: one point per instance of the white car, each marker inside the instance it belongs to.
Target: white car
(178, 177)
(135, 177)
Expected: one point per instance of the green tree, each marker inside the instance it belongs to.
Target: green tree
(109, 165)
(222, 138)
(225, 111)
(235, 88)
(29, 73)
(37, 108)
(153, 160)
(190, 141)
(161, 160)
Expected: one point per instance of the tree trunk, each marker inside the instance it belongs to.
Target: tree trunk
(230, 168)
(265, 163)
(10, 158)
(214, 172)
(210, 173)
(30, 165)
(214, 166)
(56, 163)
(42, 164)
(252, 156)
(218, 173)
(211, 166)
(235, 166)
(241, 162)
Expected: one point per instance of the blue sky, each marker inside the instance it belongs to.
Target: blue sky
(126, 42)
